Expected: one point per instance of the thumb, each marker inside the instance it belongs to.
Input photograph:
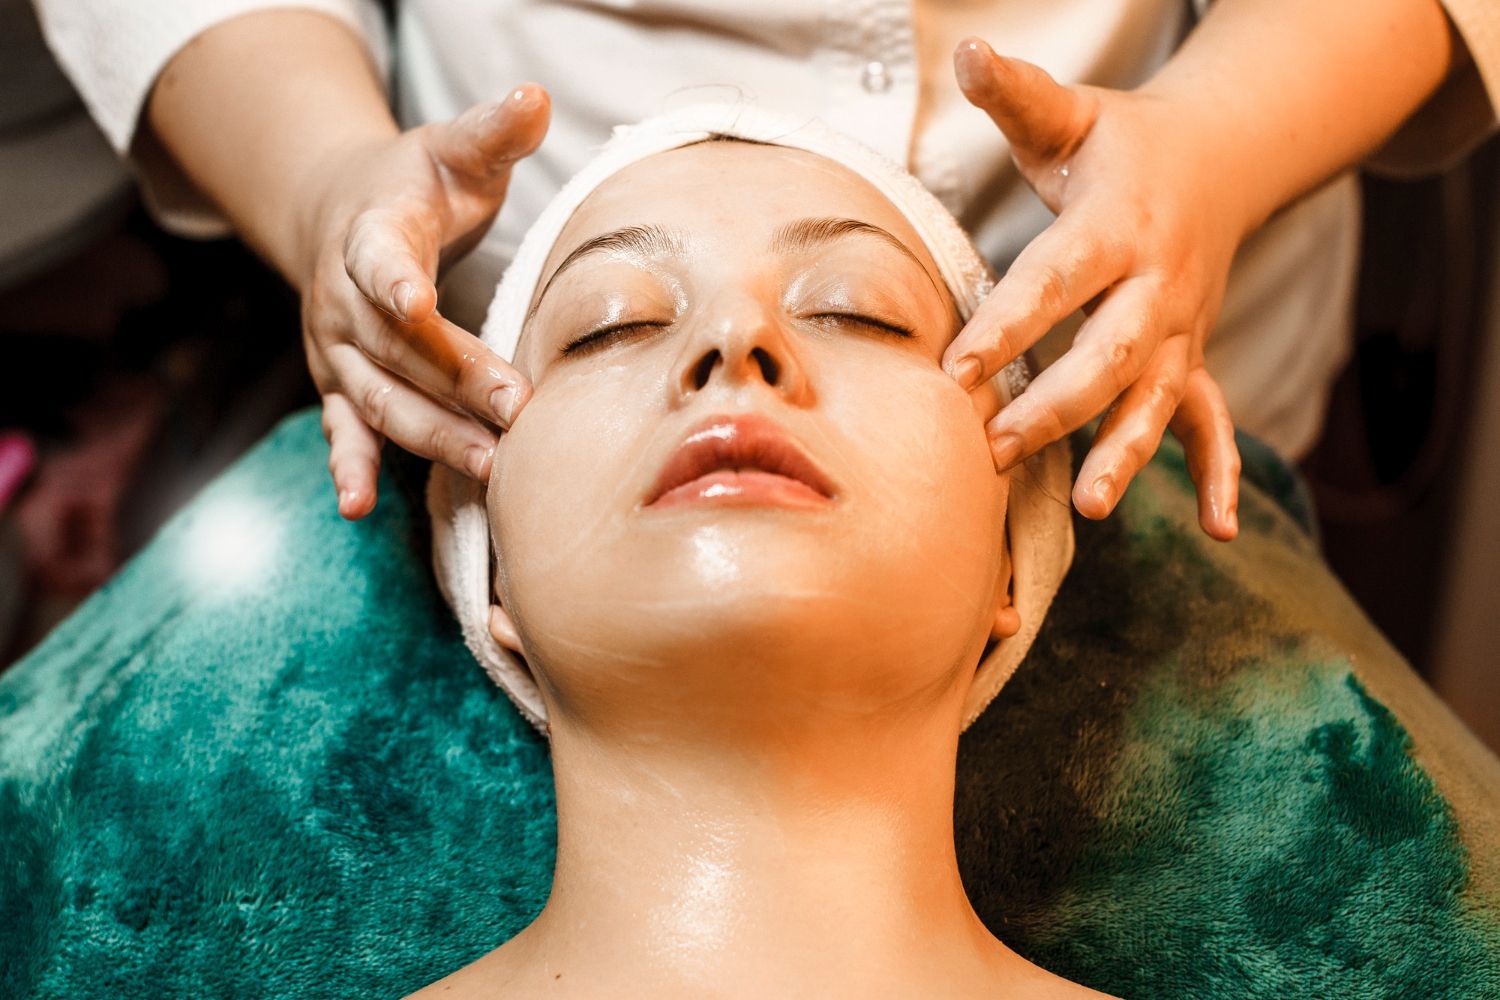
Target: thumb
(484, 141)
(1042, 119)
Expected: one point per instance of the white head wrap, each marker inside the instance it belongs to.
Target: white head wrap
(1039, 518)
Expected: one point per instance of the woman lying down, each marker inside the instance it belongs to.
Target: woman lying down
(746, 559)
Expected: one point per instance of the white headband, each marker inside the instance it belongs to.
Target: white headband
(1040, 526)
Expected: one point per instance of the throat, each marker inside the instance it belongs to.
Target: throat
(692, 872)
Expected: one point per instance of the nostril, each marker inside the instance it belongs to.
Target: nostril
(704, 368)
(770, 369)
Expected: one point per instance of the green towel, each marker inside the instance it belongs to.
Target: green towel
(1211, 778)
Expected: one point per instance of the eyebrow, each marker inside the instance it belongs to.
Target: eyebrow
(794, 237)
(644, 241)
(809, 234)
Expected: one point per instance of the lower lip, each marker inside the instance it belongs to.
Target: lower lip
(746, 487)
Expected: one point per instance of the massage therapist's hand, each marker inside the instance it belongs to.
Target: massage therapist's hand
(1143, 241)
(383, 219)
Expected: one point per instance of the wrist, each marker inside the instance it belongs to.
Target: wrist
(1209, 145)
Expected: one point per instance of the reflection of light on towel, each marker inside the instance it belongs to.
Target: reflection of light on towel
(231, 543)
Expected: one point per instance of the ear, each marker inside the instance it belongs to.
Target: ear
(503, 629)
(1007, 620)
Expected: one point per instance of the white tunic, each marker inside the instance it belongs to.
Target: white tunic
(877, 69)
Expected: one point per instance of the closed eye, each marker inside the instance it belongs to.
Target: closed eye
(600, 338)
(869, 321)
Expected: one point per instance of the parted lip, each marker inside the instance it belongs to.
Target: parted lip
(737, 441)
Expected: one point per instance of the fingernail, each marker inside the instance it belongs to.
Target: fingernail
(1104, 489)
(475, 460)
(525, 99)
(350, 503)
(401, 299)
(967, 78)
(967, 373)
(1006, 448)
(503, 405)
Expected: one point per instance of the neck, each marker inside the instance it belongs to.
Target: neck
(813, 859)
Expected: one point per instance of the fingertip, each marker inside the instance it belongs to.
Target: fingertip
(967, 371)
(478, 460)
(529, 106)
(972, 62)
(1219, 521)
(1225, 530)
(356, 502)
(1088, 504)
(402, 302)
(422, 302)
(529, 96)
(1006, 448)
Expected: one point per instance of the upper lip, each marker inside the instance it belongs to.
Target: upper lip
(746, 440)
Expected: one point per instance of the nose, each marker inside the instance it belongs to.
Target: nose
(742, 342)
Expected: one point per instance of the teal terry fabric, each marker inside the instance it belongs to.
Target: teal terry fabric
(300, 784)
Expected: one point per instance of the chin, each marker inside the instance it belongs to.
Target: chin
(748, 595)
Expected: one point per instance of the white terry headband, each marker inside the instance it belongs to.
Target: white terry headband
(1040, 527)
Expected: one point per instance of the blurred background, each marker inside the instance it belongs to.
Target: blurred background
(134, 366)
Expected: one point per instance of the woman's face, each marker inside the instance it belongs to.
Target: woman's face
(723, 288)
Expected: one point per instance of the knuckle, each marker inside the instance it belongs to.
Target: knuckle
(363, 231)
(1118, 363)
(442, 443)
(1049, 425)
(1162, 398)
(1051, 289)
(1138, 450)
(375, 403)
(321, 311)
(1159, 399)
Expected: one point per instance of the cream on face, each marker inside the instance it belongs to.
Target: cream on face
(772, 287)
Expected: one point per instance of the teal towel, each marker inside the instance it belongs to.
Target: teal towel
(1211, 777)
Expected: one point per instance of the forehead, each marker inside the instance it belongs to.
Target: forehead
(738, 191)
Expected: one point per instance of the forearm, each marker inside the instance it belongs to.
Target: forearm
(254, 110)
(1290, 92)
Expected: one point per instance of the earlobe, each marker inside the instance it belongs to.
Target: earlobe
(1007, 622)
(503, 629)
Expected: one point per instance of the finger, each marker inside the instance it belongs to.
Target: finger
(1204, 427)
(412, 420)
(483, 142)
(1131, 431)
(448, 363)
(1108, 354)
(1069, 263)
(1042, 119)
(386, 264)
(353, 456)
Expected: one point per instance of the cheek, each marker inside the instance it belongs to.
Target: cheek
(562, 474)
(933, 508)
(923, 450)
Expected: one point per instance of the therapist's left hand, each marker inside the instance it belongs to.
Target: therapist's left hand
(1143, 240)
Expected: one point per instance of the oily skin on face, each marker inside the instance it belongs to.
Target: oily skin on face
(754, 710)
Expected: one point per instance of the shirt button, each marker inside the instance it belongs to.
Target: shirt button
(876, 79)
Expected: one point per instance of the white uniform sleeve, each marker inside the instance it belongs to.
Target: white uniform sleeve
(113, 51)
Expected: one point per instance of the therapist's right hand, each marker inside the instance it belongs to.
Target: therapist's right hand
(383, 219)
